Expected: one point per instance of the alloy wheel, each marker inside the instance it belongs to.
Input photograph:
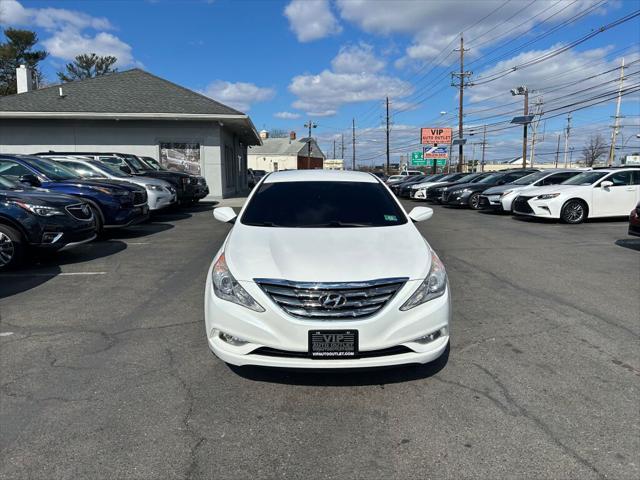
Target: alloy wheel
(574, 212)
(474, 201)
(7, 250)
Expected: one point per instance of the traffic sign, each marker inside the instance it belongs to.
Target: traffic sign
(417, 159)
(435, 136)
(435, 152)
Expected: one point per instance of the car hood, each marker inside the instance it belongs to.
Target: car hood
(552, 189)
(327, 254)
(504, 188)
(164, 174)
(85, 182)
(39, 197)
(142, 181)
(426, 184)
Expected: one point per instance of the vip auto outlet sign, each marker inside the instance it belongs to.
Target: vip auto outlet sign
(435, 136)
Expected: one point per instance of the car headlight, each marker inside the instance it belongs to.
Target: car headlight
(456, 192)
(40, 210)
(432, 287)
(227, 288)
(547, 196)
(153, 188)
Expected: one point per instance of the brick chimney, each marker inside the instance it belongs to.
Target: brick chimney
(24, 79)
(292, 135)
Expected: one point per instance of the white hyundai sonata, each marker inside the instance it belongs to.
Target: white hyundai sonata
(324, 269)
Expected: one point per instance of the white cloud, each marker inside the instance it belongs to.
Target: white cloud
(239, 95)
(68, 35)
(435, 25)
(570, 67)
(311, 19)
(69, 43)
(13, 13)
(286, 115)
(357, 59)
(356, 77)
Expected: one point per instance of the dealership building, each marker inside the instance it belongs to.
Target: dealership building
(288, 153)
(132, 112)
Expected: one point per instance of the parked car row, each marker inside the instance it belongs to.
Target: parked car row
(56, 200)
(569, 195)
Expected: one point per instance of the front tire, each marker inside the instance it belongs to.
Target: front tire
(474, 201)
(573, 212)
(11, 247)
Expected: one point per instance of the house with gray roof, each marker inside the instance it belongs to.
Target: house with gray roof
(132, 112)
(285, 154)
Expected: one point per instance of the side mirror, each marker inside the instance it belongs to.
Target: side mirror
(125, 169)
(606, 184)
(29, 179)
(225, 214)
(420, 214)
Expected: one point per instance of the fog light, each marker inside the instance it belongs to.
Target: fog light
(443, 332)
(231, 340)
(51, 237)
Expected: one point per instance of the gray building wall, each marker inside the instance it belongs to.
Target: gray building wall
(138, 137)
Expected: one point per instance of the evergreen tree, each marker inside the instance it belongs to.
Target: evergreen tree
(15, 51)
(88, 65)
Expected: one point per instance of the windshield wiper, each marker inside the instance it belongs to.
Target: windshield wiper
(337, 223)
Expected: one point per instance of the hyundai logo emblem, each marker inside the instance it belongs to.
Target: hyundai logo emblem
(332, 300)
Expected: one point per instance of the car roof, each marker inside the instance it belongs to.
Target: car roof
(320, 176)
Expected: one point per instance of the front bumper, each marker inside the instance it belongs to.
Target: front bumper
(158, 200)
(533, 207)
(278, 331)
(461, 199)
(490, 202)
(129, 217)
(66, 238)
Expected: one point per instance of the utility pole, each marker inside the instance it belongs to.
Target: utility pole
(484, 144)
(334, 148)
(616, 123)
(537, 115)
(461, 76)
(342, 147)
(524, 135)
(309, 125)
(387, 170)
(353, 143)
(557, 151)
(567, 132)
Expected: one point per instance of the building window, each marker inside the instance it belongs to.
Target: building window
(181, 157)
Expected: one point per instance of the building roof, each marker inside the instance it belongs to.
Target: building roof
(130, 91)
(128, 95)
(282, 146)
(320, 176)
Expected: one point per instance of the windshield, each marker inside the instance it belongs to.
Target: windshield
(586, 178)
(137, 163)
(109, 169)
(152, 162)
(322, 205)
(449, 177)
(52, 170)
(490, 178)
(531, 178)
(467, 178)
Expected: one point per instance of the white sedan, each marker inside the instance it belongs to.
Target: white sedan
(608, 192)
(294, 284)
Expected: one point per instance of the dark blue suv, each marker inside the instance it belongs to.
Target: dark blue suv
(37, 218)
(114, 203)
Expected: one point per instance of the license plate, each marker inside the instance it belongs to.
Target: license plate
(332, 344)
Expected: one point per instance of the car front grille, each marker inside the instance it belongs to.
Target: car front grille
(331, 301)
(139, 198)
(383, 352)
(521, 204)
(81, 211)
(445, 196)
(434, 193)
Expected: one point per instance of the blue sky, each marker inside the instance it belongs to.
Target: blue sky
(284, 62)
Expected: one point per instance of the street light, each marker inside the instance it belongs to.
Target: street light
(523, 90)
(309, 125)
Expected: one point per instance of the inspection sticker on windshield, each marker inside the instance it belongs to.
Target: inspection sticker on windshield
(391, 218)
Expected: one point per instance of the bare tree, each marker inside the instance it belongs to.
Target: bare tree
(593, 150)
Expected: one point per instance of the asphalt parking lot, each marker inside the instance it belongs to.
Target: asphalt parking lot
(105, 370)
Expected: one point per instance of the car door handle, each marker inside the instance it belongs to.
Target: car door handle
(631, 189)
